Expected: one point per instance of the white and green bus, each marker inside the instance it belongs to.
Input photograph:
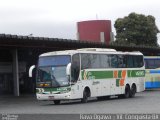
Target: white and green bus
(89, 72)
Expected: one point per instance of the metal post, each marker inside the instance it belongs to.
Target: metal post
(15, 72)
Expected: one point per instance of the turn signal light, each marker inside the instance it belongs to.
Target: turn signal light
(46, 85)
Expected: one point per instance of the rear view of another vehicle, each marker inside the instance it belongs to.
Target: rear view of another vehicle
(152, 76)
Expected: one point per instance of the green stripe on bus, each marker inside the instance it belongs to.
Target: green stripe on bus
(119, 73)
(60, 89)
(96, 74)
(102, 74)
(88, 75)
(117, 82)
(136, 73)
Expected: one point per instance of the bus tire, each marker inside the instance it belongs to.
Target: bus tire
(127, 91)
(133, 90)
(56, 102)
(86, 94)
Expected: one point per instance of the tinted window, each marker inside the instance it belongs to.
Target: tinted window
(105, 61)
(54, 60)
(95, 61)
(90, 61)
(111, 61)
(121, 61)
(157, 63)
(114, 61)
(126, 61)
(138, 61)
(75, 68)
(85, 61)
(149, 64)
(152, 63)
(129, 61)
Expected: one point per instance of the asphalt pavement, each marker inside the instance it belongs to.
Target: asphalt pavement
(144, 102)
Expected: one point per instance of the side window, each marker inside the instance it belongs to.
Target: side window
(95, 60)
(90, 61)
(138, 61)
(129, 61)
(150, 64)
(121, 61)
(114, 61)
(135, 61)
(105, 61)
(146, 64)
(141, 61)
(85, 61)
(75, 68)
(157, 63)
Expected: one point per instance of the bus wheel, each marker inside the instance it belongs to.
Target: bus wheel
(127, 92)
(133, 91)
(85, 96)
(57, 102)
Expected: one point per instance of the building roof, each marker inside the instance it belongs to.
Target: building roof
(7, 40)
(17, 41)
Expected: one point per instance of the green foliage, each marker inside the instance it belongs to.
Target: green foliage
(136, 29)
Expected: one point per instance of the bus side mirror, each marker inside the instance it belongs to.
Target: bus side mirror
(31, 70)
(68, 69)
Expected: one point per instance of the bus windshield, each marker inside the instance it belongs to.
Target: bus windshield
(52, 70)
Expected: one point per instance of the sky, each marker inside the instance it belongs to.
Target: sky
(58, 18)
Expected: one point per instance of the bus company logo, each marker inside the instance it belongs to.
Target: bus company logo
(88, 75)
(84, 75)
(140, 73)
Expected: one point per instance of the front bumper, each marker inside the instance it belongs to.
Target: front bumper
(63, 96)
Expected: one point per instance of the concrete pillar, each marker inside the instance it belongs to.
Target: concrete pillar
(102, 37)
(15, 72)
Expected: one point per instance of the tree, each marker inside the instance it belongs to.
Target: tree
(136, 29)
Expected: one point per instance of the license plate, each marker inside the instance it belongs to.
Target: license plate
(51, 97)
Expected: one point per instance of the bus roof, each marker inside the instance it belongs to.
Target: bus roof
(151, 57)
(90, 50)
